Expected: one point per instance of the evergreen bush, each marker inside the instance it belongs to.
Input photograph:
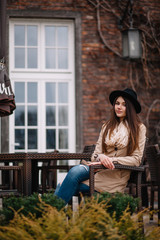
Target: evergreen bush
(28, 204)
(118, 202)
(90, 222)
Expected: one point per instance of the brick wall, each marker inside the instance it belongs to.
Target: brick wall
(102, 69)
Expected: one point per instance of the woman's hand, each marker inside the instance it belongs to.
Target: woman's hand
(95, 163)
(106, 161)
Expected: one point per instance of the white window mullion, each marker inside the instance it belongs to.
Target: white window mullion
(26, 118)
(40, 47)
(56, 123)
(41, 117)
(25, 46)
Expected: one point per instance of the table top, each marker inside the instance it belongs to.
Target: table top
(43, 156)
(58, 156)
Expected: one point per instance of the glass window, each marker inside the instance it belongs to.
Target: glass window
(50, 36)
(20, 138)
(63, 92)
(56, 46)
(19, 116)
(19, 58)
(19, 36)
(63, 138)
(32, 115)
(32, 92)
(50, 116)
(63, 115)
(62, 33)
(19, 92)
(32, 58)
(50, 92)
(26, 46)
(32, 36)
(62, 58)
(50, 139)
(50, 58)
(32, 138)
(42, 51)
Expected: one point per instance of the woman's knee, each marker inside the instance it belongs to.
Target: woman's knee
(79, 169)
(79, 173)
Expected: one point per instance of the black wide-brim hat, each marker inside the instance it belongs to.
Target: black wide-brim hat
(129, 94)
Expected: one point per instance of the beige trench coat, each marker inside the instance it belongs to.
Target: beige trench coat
(116, 180)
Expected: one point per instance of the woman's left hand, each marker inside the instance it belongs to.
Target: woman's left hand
(95, 163)
(106, 161)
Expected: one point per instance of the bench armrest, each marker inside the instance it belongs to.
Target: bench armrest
(117, 166)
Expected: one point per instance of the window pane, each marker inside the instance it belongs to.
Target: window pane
(32, 58)
(19, 36)
(32, 115)
(19, 138)
(63, 92)
(32, 92)
(50, 58)
(19, 58)
(32, 35)
(63, 138)
(50, 37)
(19, 92)
(51, 139)
(62, 33)
(19, 116)
(62, 58)
(32, 138)
(50, 116)
(50, 93)
(63, 115)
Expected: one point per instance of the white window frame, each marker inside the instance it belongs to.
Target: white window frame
(40, 74)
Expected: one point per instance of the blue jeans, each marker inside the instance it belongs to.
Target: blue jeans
(72, 183)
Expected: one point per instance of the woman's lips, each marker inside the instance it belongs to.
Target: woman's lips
(118, 111)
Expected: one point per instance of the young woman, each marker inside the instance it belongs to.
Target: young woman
(122, 139)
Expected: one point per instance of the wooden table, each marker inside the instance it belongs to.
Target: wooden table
(30, 163)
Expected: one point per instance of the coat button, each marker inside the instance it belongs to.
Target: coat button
(115, 148)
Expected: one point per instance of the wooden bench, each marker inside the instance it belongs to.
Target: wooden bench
(12, 180)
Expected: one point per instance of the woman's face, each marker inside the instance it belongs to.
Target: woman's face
(120, 108)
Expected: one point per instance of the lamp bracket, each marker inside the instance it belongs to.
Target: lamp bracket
(129, 10)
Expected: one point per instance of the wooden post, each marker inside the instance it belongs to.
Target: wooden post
(2, 29)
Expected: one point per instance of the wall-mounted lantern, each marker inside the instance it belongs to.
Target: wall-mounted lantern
(131, 37)
(131, 43)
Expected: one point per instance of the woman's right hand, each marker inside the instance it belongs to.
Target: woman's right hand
(106, 161)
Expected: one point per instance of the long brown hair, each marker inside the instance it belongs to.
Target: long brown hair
(133, 125)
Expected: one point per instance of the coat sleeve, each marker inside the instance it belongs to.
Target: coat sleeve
(135, 158)
(98, 148)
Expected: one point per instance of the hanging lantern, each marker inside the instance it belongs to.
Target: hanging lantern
(131, 43)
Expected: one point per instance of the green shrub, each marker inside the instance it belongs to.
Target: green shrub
(90, 222)
(118, 202)
(28, 204)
